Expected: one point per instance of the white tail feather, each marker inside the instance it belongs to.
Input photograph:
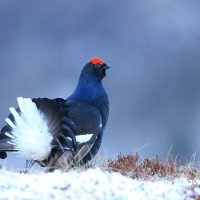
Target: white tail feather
(30, 135)
(10, 123)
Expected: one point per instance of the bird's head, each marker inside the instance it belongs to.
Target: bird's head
(95, 69)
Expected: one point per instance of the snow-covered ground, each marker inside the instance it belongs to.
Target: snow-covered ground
(91, 184)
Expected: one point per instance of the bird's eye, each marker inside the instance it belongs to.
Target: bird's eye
(98, 65)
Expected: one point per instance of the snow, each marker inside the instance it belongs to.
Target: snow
(90, 184)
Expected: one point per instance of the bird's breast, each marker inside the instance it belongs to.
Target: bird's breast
(86, 117)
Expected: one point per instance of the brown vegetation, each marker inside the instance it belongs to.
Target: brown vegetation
(130, 166)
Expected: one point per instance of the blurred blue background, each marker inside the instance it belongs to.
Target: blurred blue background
(153, 48)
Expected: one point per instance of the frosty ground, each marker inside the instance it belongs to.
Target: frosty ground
(93, 184)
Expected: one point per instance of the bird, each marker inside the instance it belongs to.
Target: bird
(60, 133)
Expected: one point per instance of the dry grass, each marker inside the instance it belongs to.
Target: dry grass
(130, 166)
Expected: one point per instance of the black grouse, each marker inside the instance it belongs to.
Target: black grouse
(60, 133)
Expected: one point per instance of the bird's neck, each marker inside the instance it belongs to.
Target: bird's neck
(88, 89)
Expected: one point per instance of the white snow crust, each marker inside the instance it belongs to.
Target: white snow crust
(93, 184)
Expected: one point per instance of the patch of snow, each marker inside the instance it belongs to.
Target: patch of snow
(89, 184)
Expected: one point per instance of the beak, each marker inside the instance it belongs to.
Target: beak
(107, 67)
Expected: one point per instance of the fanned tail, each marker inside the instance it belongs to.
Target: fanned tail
(30, 133)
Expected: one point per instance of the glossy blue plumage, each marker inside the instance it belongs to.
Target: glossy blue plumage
(91, 93)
